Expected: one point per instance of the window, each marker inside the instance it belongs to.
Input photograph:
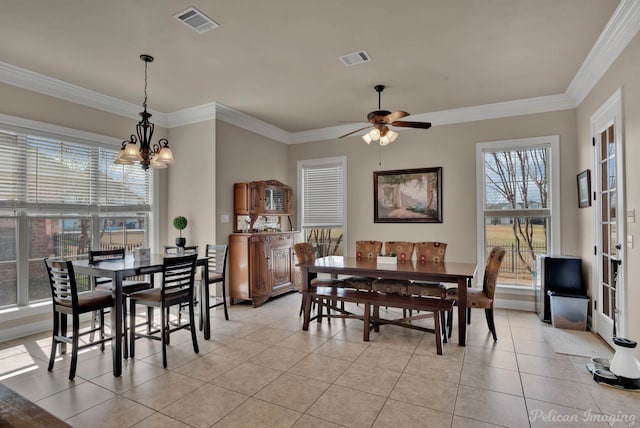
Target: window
(322, 187)
(60, 197)
(518, 204)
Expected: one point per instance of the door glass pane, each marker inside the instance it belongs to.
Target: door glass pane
(611, 148)
(603, 146)
(603, 166)
(605, 269)
(605, 301)
(605, 206)
(8, 265)
(611, 169)
(612, 206)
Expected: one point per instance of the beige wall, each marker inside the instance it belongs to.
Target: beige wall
(244, 156)
(623, 73)
(453, 148)
(191, 189)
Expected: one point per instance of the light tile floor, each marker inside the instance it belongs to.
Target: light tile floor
(261, 369)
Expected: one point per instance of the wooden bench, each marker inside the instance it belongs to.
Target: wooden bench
(375, 299)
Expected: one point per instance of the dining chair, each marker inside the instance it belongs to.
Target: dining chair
(68, 301)
(217, 266)
(482, 297)
(305, 255)
(128, 286)
(367, 250)
(404, 252)
(429, 252)
(178, 277)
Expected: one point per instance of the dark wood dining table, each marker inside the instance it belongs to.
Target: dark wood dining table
(120, 269)
(450, 272)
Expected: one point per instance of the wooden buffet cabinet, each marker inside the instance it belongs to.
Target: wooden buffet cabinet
(261, 262)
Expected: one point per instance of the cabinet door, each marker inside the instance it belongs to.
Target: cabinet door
(281, 252)
(256, 198)
(241, 198)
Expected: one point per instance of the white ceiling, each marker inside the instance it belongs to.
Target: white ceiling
(277, 60)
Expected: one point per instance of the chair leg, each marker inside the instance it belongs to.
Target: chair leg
(490, 323)
(74, 346)
(450, 322)
(132, 333)
(443, 323)
(63, 332)
(164, 334)
(224, 302)
(102, 332)
(125, 330)
(193, 328)
(54, 341)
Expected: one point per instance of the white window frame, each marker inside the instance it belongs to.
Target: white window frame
(27, 126)
(553, 142)
(332, 161)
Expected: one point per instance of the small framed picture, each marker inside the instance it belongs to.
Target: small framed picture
(584, 189)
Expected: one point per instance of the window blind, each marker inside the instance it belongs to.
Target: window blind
(323, 195)
(12, 171)
(50, 175)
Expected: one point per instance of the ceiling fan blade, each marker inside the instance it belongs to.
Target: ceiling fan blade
(396, 115)
(404, 124)
(353, 132)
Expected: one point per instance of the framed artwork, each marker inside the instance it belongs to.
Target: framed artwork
(408, 196)
(584, 189)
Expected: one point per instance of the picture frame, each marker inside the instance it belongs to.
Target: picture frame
(584, 189)
(408, 196)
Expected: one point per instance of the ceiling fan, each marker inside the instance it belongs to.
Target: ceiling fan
(380, 121)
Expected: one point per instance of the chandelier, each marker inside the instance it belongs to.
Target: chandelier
(157, 155)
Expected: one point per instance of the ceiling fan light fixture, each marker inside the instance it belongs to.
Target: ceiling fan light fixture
(367, 138)
(374, 134)
(391, 135)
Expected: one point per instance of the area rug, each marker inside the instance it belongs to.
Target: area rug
(576, 342)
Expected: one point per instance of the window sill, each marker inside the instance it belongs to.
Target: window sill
(19, 312)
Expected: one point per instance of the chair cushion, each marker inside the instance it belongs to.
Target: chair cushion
(327, 282)
(94, 300)
(214, 277)
(358, 282)
(476, 298)
(385, 285)
(128, 286)
(425, 288)
(154, 295)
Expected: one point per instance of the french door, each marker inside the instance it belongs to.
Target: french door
(609, 221)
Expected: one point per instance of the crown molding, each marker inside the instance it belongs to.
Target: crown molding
(250, 123)
(32, 81)
(459, 115)
(192, 115)
(622, 27)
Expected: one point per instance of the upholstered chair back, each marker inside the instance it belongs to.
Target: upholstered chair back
(368, 249)
(430, 252)
(491, 271)
(402, 249)
(304, 253)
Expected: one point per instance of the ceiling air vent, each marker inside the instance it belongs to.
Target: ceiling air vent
(196, 20)
(355, 58)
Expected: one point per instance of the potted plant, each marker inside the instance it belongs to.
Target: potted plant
(180, 223)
